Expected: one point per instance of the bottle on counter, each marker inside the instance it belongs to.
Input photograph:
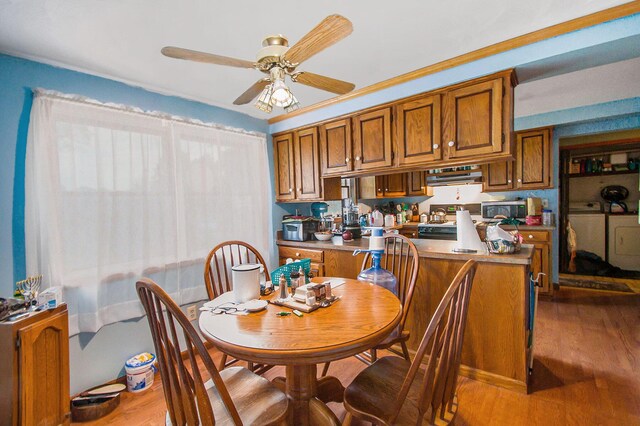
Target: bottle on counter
(547, 217)
(376, 218)
(283, 287)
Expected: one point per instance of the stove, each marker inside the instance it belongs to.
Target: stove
(447, 230)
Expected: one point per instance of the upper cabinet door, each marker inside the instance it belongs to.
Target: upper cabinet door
(307, 164)
(498, 176)
(283, 164)
(417, 130)
(473, 120)
(416, 183)
(372, 139)
(533, 159)
(335, 147)
(395, 185)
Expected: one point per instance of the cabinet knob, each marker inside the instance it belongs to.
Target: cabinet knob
(436, 146)
(357, 158)
(509, 180)
(519, 180)
(347, 159)
(451, 143)
(386, 189)
(299, 189)
(530, 236)
(379, 190)
(297, 254)
(290, 189)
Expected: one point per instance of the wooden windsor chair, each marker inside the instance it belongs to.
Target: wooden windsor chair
(235, 396)
(217, 279)
(401, 259)
(388, 393)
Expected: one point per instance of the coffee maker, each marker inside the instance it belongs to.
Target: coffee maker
(350, 218)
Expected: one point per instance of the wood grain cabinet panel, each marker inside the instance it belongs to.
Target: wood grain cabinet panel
(394, 185)
(336, 147)
(283, 156)
(473, 117)
(34, 369)
(307, 163)
(498, 176)
(417, 130)
(416, 183)
(532, 168)
(372, 139)
(533, 159)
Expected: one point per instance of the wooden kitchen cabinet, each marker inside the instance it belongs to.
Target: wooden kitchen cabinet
(336, 147)
(530, 170)
(372, 139)
(541, 261)
(533, 159)
(498, 176)
(417, 184)
(307, 172)
(34, 369)
(283, 165)
(473, 120)
(394, 185)
(297, 168)
(417, 130)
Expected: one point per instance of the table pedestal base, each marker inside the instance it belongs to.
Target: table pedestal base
(307, 395)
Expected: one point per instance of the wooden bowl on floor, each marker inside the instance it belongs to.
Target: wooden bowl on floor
(81, 411)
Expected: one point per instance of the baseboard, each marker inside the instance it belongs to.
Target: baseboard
(493, 379)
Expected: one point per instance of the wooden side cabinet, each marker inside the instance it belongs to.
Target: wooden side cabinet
(541, 261)
(284, 169)
(34, 369)
(307, 175)
(532, 168)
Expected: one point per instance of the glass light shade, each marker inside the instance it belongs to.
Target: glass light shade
(264, 100)
(281, 96)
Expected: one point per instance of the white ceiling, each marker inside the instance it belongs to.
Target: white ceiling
(122, 39)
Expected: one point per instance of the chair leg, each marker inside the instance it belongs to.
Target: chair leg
(250, 366)
(223, 362)
(374, 355)
(347, 419)
(405, 351)
(325, 369)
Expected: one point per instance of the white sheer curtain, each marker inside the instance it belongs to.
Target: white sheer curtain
(113, 194)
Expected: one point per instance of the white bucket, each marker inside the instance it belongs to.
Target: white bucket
(140, 370)
(246, 282)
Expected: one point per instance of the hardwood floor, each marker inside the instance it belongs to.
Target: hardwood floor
(586, 371)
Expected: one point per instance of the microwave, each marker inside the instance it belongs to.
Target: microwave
(509, 209)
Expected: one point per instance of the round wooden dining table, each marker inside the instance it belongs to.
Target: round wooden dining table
(363, 317)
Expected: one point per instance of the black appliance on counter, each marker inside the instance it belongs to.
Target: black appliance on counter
(506, 209)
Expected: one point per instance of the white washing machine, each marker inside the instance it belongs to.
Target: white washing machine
(624, 242)
(590, 232)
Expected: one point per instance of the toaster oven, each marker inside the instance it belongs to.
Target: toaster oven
(299, 230)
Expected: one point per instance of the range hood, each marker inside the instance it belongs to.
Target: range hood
(464, 177)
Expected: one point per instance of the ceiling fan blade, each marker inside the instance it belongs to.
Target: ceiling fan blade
(330, 31)
(209, 58)
(252, 92)
(325, 83)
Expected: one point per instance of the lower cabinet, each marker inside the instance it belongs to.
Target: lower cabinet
(34, 369)
(325, 263)
(541, 261)
(409, 231)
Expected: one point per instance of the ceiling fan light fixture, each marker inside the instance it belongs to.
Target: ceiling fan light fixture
(281, 95)
(294, 105)
(264, 100)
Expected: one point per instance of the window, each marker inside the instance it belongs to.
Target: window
(114, 194)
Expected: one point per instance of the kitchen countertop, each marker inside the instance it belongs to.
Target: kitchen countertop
(435, 249)
(520, 227)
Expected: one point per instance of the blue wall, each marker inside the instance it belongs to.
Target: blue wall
(95, 358)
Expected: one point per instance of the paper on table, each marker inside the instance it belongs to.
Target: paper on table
(468, 237)
(335, 282)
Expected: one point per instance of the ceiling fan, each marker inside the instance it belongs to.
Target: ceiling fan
(277, 60)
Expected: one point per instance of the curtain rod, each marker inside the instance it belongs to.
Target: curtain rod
(40, 92)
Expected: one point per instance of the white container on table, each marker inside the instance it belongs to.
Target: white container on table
(246, 282)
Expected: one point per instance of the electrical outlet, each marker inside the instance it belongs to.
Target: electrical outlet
(192, 313)
(545, 203)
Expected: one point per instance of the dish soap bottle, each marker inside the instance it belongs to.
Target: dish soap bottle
(375, 274)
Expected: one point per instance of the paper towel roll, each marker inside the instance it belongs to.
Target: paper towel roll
(468, 237)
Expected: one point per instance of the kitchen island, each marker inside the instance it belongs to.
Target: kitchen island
(496, 344)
